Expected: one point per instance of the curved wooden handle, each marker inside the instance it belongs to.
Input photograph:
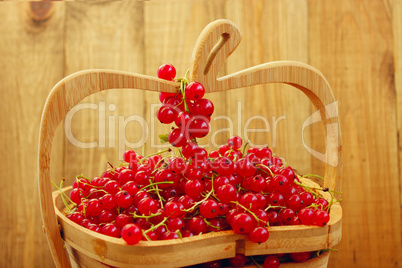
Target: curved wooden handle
(64, 96)
(220, 38)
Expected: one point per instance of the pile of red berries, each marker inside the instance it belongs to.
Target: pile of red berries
(187, 109)
(168, 197)
(164, 196)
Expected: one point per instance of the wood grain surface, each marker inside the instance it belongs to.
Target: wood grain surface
(356, 44)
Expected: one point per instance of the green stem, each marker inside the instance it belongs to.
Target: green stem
(270, 172)
(312, 175)
(62, 193)
(249, 211)
(245, 146)
(157, 153)
(159, 224)
(255, 263)
(156, 183)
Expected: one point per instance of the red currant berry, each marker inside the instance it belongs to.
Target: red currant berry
(227, 193)
(209, 209)
(271, 262)
(194, 91)
(124, 199)
(131, 233)
(300, 256)
(123, 219)
(259, 235)
(94, 207)
(197, 225)
(235, 142)
(111, 229)
(147, 206)
(239, 260)
(177, 138)
(205, 107)
(167, 71)
(166, 115)
(243, 223)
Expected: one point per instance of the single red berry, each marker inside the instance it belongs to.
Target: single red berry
(227, 193)
(306, 216)
(129, 155)
(111, 229)
(245, 168)
(147, 206)
(193, 188)
(209, 209)
(125, 176)
(123, 219)
(198, 128)
(167, 71)
(94, 207)
(95, 228)
(75, 217)
(175, 224)
(194, 91)
(235, 142)
(177, 138)
(205, 107)
(166, 115)
(189, 149)
(271, 261)
(300, 256)
(243, 223)
(107, 216)
(212, 264)
(321, 217)
(196, 225)
(174, 209)
(239, 260)
(249, 200)
(259, 235)
(131, 233)
(286, 215)
(124, 199)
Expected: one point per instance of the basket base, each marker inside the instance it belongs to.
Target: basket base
(80, 260)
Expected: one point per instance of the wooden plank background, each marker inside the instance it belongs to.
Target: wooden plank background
(356, 44)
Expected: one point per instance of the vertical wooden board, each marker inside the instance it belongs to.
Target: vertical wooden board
(171, 30)
(104, 35)
(272, 30)
(351, 43)
(397, 30)
(31, 62)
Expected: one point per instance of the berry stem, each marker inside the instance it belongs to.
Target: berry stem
(157, 153)
(255, 263)
(312, 175)
(270, 172)
(269, 207)
(249, 211)
(157, 225)
(144, 217)
(156, 183)
(63, 194)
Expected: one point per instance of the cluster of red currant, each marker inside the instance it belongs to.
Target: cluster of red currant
(164, 196)
(187, 109)
(169, 197)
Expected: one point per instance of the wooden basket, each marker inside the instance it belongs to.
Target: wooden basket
(74, 246)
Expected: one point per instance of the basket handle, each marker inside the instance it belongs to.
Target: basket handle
(215, 44)
(64, 96)
(72, 89)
